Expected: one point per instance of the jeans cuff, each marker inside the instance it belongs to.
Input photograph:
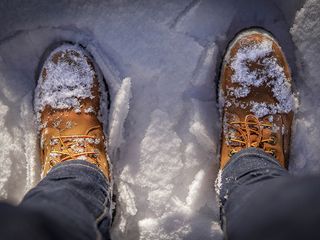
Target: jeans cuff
(70, 166)
(244, 167)
(252, 153)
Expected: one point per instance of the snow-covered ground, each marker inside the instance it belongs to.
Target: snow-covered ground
(164, 122)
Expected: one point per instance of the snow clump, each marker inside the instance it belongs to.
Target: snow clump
(270, 73)
(63, 84)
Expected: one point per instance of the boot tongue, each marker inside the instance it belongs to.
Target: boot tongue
(253, 141)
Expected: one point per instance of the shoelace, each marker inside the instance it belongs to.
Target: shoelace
(250, 134)
(67, 142)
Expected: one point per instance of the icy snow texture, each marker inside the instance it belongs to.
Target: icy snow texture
(306, 35)
(119, 113)
(65, 84)
(271, 74)
(171, 50)
(245, 55)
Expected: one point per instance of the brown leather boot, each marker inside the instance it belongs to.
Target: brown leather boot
(67, 101)
(256, 97)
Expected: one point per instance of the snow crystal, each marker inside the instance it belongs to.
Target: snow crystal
(69, 124)
(95, 141)
(89, 110)
(54, 141)
(261, 109)
(242, 74)
(54, 155)
(271, 74)
(270, 118)
(63, 84)
(241, 92)
(56, 123)
(218, 183)
(82, 157)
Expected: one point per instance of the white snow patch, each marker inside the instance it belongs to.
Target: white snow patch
(4, 152)
(262, 109)
(201, 134)
(89, 110)
(156, 229)
(30, 141)
(306, 34)
(161, 158)
(270, 73)
(118, 115)
(127, 196)
(218, 183)
(194, 189)
(242, 74)
(64, 83)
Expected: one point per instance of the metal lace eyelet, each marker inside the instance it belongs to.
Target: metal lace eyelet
(51, 163)
(231, 153)
(273, 141)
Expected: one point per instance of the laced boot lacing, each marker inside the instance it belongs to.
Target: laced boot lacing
(252, 133)
(74, 147)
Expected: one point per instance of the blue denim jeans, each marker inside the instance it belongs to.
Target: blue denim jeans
(261, 200)
(72, 202)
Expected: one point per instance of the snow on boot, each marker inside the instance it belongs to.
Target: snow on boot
(256, 97)
(67, 103)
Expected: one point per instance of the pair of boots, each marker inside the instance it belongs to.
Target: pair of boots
(255, 96)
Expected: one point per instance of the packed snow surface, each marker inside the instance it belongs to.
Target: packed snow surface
(163, 121)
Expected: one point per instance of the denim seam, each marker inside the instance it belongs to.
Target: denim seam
(104, 206)
(98, 233)
(103, 213)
